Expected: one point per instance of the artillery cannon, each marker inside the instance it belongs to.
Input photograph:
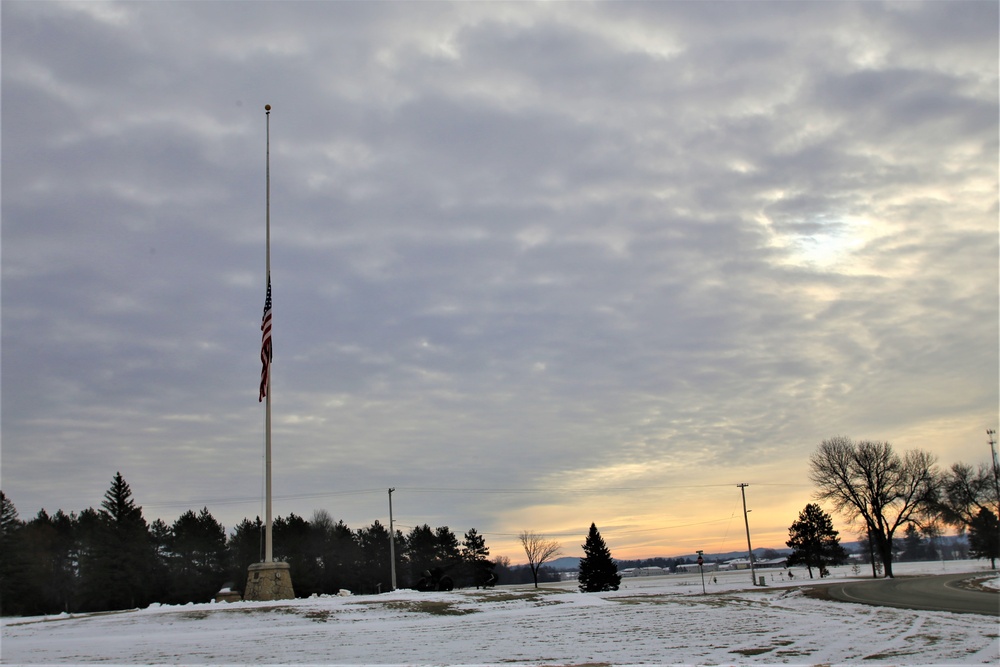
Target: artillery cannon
(435, 580)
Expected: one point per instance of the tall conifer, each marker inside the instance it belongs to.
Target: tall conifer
(116, 566)
(814, 542)
(598, 571)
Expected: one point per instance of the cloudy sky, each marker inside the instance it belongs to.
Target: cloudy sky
(535, 265)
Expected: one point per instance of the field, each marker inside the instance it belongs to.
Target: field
(653, 620)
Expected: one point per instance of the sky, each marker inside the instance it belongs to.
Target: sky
(534, 265)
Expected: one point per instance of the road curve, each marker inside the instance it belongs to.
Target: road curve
(934, 593)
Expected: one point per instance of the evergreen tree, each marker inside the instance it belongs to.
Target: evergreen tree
(65, 558)
(245, 547)
(89, 536)
(598, 571)
(340, 559)
(46, 545)
(984, 536)
(813, 541)
(159, 577)
(432, 558)
(421, 554)
(197, 557)
(9, 521)
(475, 558)
(320, 533)
(11, 560)
(931, 532)
(375, 575)
(118, 560)
(914, 547)
(448, 553)
(295, 544)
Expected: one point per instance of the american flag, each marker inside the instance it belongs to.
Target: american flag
(265, 343)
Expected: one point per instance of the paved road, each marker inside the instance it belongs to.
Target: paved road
(935, 593)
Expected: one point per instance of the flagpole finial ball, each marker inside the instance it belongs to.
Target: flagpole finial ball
(267, 107)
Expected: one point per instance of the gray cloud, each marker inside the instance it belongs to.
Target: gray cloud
(514, 246)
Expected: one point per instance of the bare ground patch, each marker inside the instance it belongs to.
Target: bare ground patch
(431, 607)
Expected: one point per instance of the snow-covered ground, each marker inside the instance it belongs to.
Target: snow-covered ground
(654, 620)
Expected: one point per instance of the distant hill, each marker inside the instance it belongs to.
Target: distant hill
(564, 564)
(571, 564)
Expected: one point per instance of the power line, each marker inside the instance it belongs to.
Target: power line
(248, 499)
(580, 489)
(239, 500)
(617, 532)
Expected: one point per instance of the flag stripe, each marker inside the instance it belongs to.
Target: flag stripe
(265, 344)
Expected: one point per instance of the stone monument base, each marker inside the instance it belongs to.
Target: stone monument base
(269, 581)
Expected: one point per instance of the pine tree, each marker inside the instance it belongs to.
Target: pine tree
(598, 571)
(197, 545)
(160, 538)
(421, 554)
(12, 561)
(984, 536)
(475, 556)
(47, 549)
(119, 555)
(295, 546)
(373, 561)
(9, 521)
(245, 547)
(338, 552)
(813, 540)
(914, 547)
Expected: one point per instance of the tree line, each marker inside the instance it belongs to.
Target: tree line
(111, 558)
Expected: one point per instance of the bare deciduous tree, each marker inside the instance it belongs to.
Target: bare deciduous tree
(870, 483)
(538, 550)
(964, 492)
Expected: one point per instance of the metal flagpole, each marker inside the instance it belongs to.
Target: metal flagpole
(270, 579)
(268, 552)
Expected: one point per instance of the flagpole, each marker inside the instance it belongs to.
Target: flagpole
(270, 579)
(268, 552)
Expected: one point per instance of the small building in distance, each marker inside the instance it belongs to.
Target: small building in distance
(651, 571)
(693, 567)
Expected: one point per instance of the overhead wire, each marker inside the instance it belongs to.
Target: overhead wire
(237, 500)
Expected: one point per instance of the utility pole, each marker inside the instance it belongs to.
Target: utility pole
(746, 521)
(992, 435)
(392, 543)
(701, 568)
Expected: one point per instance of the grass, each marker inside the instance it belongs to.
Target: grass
(747, 652)
(536, 596)
(431, 607)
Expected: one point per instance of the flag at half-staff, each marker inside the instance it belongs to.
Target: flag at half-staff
(268, 579)
(265, 344)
